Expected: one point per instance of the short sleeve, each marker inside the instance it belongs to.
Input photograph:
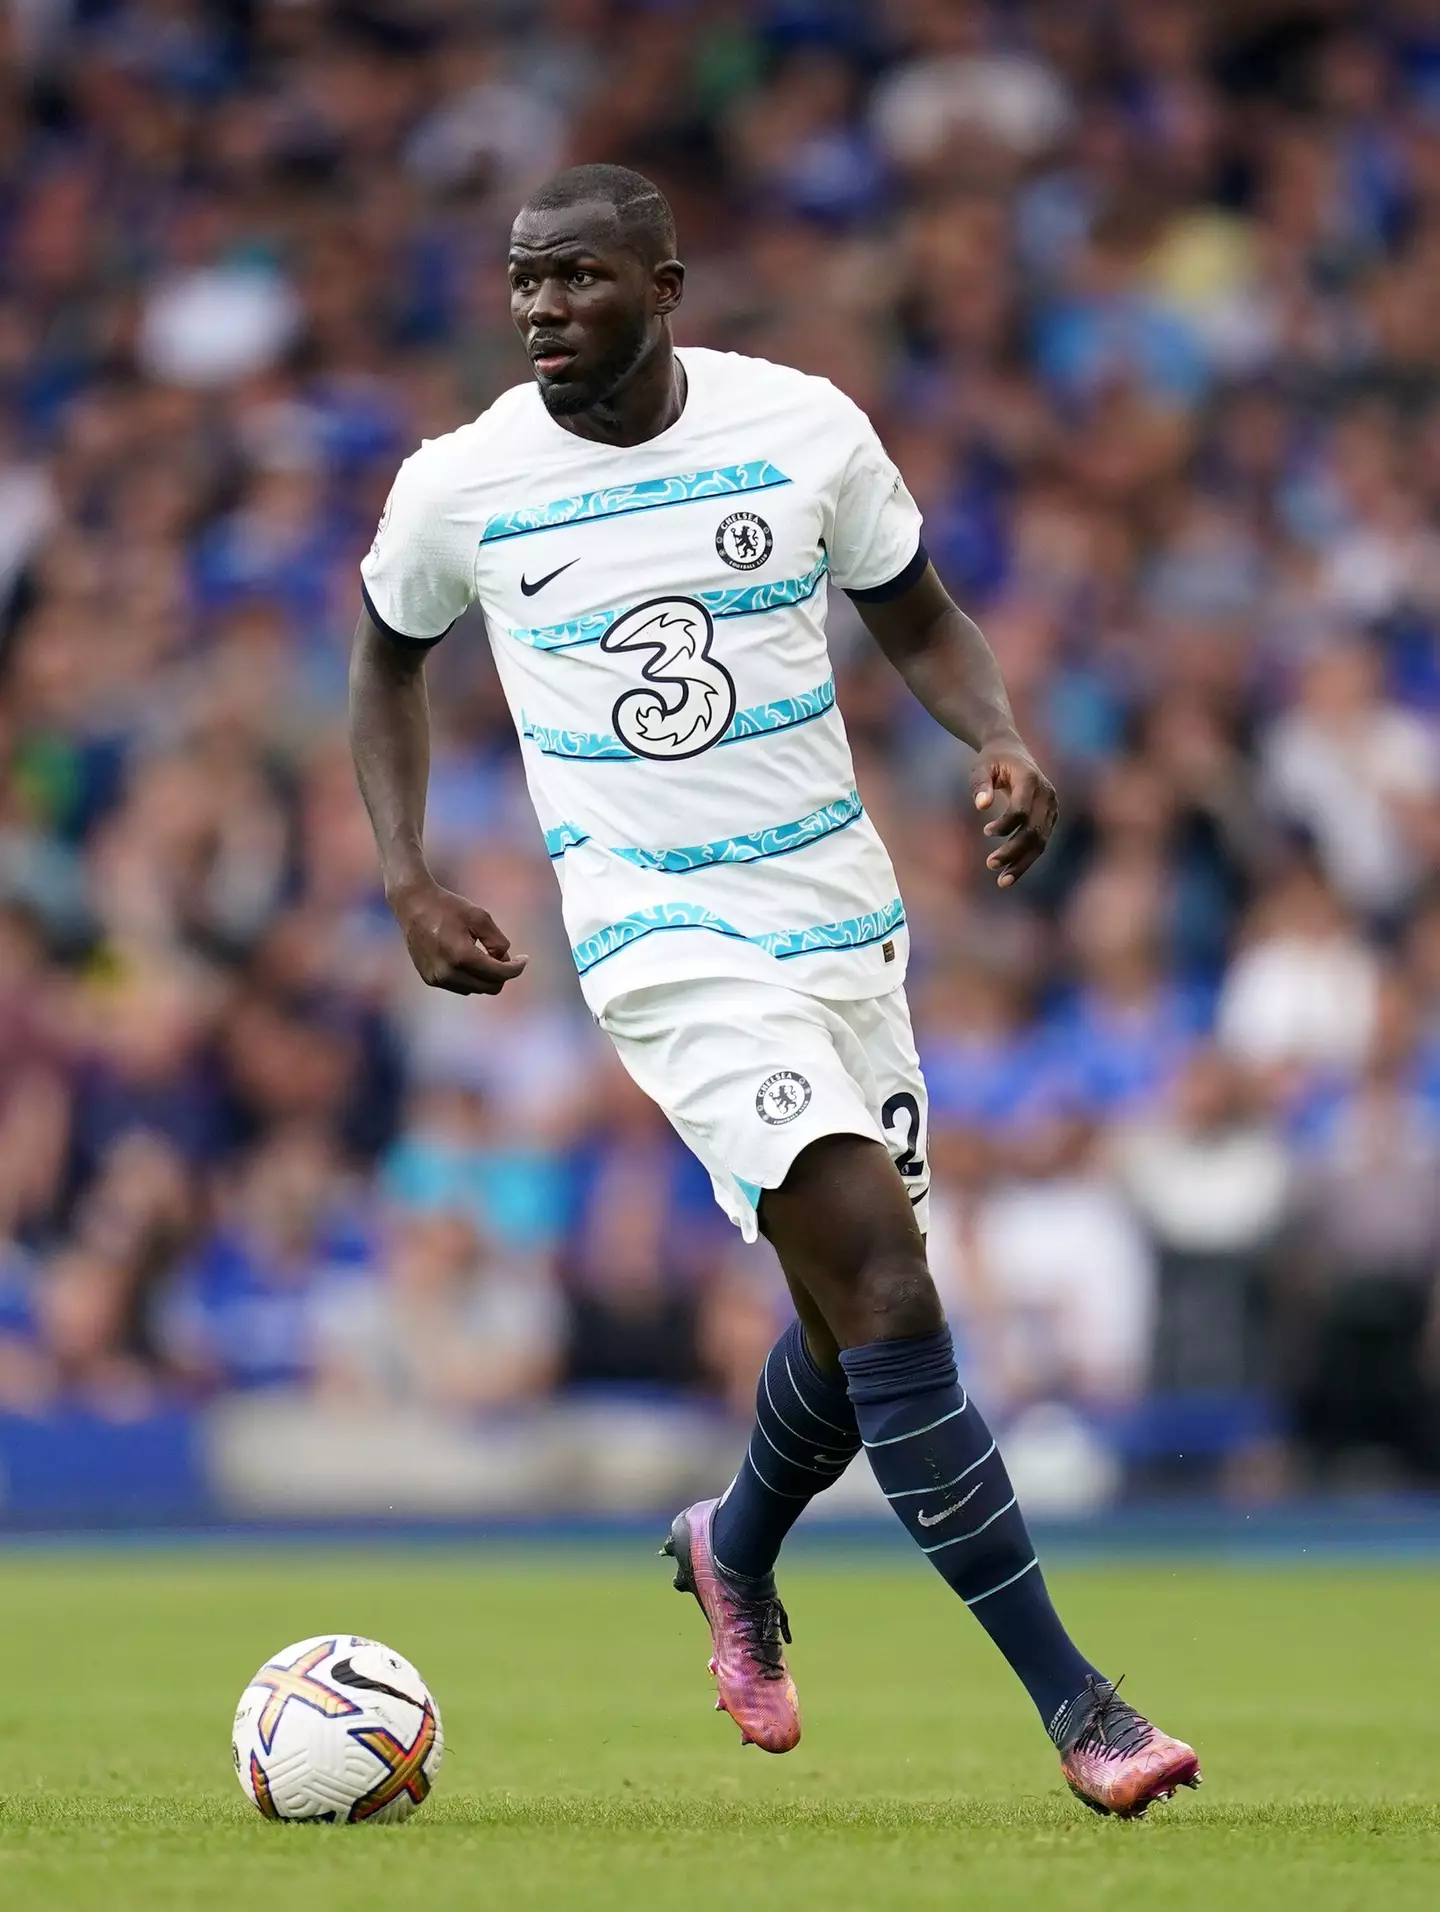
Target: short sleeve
(417, 576)
(874, 543)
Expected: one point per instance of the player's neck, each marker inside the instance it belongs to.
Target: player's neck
(646, 405)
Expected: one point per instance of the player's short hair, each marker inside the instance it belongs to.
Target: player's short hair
(641, 210)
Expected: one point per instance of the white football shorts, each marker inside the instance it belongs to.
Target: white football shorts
(750, 1073)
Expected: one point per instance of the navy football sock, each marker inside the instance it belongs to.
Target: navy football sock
(942, 1474)
(803, 1439)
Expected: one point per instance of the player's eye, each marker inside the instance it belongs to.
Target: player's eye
(581, 277)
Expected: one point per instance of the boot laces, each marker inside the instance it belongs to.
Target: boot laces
(764, 1627)
(1114, 1729)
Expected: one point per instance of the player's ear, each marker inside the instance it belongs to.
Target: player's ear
(669, 286)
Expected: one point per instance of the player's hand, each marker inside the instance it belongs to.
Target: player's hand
(1007, 783)
(453, 943)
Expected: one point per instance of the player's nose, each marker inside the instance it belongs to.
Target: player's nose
(548, 307)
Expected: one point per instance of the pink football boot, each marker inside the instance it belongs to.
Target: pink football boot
(1114, 1760)
(749, 1631)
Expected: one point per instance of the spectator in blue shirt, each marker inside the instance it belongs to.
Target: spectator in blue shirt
(242, 1312)
(1130, 1026)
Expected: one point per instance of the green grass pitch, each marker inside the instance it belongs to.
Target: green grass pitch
(586, 1770)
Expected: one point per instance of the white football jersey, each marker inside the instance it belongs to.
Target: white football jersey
(657, 615)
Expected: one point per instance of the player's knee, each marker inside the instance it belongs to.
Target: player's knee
(895, 1294)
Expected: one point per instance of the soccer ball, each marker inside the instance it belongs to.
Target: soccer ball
(337, 1728)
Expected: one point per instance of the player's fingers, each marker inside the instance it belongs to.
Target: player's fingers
(1045, 812)
(1021, 783)
(457, 985)
(453, 957)
(461, 981)
(1032, 802)
(1006, 822)
(478, 949)
(481, 926)
(482, 970)
(1006, 854)
(1034, 849)
(1015, 856)
(982, 783)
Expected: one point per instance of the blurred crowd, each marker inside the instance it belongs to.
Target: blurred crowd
(1142, 295)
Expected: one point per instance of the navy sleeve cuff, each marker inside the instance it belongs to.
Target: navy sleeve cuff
(398, 637)
(899, 585)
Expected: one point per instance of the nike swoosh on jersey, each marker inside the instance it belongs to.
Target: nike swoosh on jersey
(528, 589)
(934, 1520)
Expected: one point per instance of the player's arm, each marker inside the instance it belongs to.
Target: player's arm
(453, 943)
(952, 671)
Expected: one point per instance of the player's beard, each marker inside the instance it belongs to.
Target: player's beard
(603, 381)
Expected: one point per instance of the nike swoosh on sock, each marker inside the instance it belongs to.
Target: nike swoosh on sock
(934, 1520)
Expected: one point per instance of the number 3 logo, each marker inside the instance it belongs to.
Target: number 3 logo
(688, 698)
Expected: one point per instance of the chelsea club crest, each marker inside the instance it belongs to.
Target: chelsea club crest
(744, 541)
(781, 1097)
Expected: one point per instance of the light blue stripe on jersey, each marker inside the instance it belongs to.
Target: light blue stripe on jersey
(651, 494)
(735, 600)
(759, 720)
(854, 932)
(566, 837)
(595, 746)
(779, 840)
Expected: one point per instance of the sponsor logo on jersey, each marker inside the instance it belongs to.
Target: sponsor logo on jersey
(686, 698)
(744, 541)
(781, 1097)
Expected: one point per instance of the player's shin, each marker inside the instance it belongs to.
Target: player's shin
(941, 1472)
(804, 1437)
